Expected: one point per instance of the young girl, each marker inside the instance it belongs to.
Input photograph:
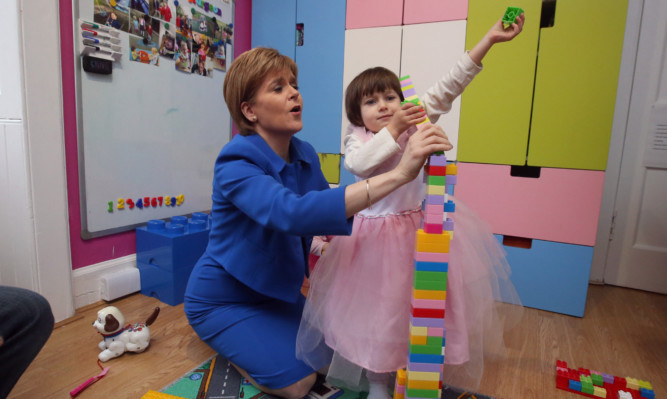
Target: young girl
(359, 296)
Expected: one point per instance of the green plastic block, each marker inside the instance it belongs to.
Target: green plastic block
(415, 101)
(511, 15)
(436, 180)
(422, 393)
(431, 285)
(430, 276)
(426, 350)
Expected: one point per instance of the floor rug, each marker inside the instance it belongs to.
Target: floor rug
(217, 379)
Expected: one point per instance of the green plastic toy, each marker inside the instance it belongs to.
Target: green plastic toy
(510, 15)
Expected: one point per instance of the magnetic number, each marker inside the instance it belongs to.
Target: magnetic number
(147, 202)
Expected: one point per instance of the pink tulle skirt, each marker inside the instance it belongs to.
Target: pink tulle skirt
(359, 300)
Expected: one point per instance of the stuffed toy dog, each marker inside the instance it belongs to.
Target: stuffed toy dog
(119, 337)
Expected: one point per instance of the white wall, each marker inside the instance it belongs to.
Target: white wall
(34, 242)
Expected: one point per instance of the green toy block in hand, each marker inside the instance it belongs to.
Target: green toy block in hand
(510, 15)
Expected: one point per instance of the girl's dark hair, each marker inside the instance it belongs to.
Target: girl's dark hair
(372, 80)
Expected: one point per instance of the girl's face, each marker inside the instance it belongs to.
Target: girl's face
(378, 108)
(277, 105)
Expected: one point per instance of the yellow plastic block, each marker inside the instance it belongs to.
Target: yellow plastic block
(159, 395)
(434, 247)
(425, 237)
(435, 190)
(428, 294)
(645, 385)
(423, 376)
(420, 384)
(418, 339)
(450, 233)
(419, 331)
(401, 376)
(412, 98)
(451, 169)
(599, 391)
(632, 383)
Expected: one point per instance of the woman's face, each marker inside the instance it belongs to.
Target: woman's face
(277, 105)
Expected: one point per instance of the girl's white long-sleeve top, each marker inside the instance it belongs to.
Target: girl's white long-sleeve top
(368, 154)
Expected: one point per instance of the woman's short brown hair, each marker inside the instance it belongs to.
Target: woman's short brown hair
(245, 76)
(372, 80)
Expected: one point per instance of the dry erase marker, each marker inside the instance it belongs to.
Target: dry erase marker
(99, 50)
(91, 34)
(88, 25)
(92, 42)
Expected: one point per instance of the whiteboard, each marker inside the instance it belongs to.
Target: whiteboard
(147, 132)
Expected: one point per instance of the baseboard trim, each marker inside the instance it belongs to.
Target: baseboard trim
(86, 281)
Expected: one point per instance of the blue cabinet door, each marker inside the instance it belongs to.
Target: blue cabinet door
(551, 275)
(273, 25)
(320, 61)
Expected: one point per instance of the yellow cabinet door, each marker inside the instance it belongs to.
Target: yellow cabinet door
(496, 106)
(575, 84)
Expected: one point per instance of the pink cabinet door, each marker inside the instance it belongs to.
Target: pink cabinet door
(373, 13)
(562, 205)
(423, 11)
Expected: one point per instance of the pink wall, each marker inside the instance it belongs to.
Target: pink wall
(89, 252)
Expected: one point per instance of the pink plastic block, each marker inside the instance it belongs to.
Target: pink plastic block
(373, 13)
(431, 257)
(422, 11)
(433, 228)
(562, 205)
(434, 209)
(434, 218)
(428, 303)
(435, 332)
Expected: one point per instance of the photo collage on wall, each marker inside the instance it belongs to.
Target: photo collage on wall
(195, 40)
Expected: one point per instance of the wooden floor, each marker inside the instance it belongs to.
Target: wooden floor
(624, 333)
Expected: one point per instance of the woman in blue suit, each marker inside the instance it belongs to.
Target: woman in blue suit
(269, 198)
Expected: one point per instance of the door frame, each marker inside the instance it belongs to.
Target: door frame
(616, 144)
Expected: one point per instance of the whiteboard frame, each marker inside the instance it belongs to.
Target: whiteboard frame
(86, 234)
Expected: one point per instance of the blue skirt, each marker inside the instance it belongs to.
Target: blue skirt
(255, 332)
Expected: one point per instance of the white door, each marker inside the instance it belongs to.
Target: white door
(637, 251)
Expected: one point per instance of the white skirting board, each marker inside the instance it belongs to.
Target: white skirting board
(105, 281)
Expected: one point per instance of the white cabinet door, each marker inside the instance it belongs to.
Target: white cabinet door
(367, 48)
(429, 52)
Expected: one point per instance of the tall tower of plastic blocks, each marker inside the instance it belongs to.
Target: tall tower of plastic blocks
(426, 355)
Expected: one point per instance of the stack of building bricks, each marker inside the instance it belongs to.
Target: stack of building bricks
(167, 252)
(423, 376)
(599, 385)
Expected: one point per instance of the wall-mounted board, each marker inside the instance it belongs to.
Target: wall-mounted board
(150, 131)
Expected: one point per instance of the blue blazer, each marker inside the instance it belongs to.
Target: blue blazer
(265, 212)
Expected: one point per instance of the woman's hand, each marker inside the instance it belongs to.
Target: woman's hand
(426, 141)
(409, 115)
